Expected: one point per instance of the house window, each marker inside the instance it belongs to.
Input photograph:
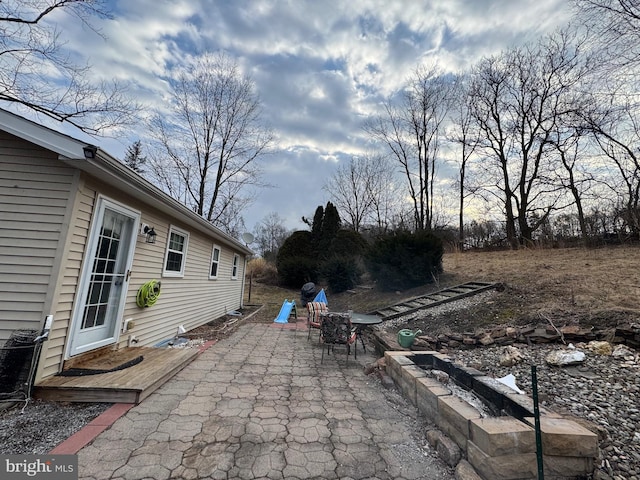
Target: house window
(176, 253)
(234, 270)
(215, 262)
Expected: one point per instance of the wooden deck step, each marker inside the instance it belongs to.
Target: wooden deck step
(130, 385)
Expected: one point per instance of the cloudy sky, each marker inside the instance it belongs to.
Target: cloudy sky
(320, 66)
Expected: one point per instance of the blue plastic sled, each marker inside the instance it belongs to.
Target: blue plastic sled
(321, 297)
(285, 311)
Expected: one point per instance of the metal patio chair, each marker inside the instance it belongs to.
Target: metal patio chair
(336, 329)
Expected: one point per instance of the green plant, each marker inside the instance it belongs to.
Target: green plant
(404, 260)
(348, 243)
(296, 271)
(341, 273)
(295, 262)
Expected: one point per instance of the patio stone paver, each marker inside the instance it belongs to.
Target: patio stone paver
(259, 404)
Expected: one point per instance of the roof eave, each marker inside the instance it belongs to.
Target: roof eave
(117, 174)
(111, 171)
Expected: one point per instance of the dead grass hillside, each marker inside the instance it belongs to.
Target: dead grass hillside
(594, 280)
(587, 286)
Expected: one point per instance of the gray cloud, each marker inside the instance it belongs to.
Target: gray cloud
(319, 66)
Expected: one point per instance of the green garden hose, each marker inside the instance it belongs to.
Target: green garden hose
(148, 294)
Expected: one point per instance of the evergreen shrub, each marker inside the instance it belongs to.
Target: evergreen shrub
(341, 273)
(402, 260)
(295, 262)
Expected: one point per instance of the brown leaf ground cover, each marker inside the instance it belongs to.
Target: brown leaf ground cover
(590, 287)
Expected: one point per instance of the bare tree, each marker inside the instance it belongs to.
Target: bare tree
(270, 234)
(573, 175)
(211, 139)
(34, 62)
(615, 25)
(462, 135)
(411, 130)
(616, 131)
(518, 98)
(348, 190)
(362, 190)
(386, 195)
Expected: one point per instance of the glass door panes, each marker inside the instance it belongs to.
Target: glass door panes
(107, 272)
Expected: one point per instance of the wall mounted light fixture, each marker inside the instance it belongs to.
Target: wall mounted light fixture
(90, 151)
(150, 233)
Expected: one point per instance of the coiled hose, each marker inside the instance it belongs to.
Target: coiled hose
(148, 294)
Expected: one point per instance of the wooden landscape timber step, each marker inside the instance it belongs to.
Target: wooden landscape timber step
(429, 300)
(129, 385)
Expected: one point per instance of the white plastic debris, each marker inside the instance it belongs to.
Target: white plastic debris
(510, 381)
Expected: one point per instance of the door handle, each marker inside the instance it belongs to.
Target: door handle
(127, 276)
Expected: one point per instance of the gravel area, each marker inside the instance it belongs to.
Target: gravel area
(604, 391)
(38, 427)
(412, 319)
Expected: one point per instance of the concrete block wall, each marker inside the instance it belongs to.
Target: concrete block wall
(500, 447)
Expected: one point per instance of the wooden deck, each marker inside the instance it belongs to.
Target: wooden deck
(129, 385)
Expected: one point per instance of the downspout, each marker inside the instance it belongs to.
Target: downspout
(244, 278)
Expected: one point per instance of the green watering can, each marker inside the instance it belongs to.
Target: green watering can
(406, 337)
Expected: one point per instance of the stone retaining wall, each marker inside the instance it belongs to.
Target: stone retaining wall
(500, 447)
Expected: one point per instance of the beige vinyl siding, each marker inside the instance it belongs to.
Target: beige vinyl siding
(54, 348)
(191, 300)
(35, 189)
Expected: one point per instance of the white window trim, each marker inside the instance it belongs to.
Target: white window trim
(170, 273)
(213, 250)
(235, 266)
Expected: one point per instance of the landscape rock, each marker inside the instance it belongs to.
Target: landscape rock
(464, 471)
(448, 451)
(446, 448)
(420, 344)
(603, 398)
(432, 437)
(622, 351)
(386, 381)
(441, 376)
(600, 347)
(562, 358)
(379, 364)
(503, 336)
(511, 356)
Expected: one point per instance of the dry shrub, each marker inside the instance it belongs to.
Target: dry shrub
(262, 271)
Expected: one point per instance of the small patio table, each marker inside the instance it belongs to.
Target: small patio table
(360, 321)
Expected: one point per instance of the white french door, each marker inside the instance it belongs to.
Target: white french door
(103, 285)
